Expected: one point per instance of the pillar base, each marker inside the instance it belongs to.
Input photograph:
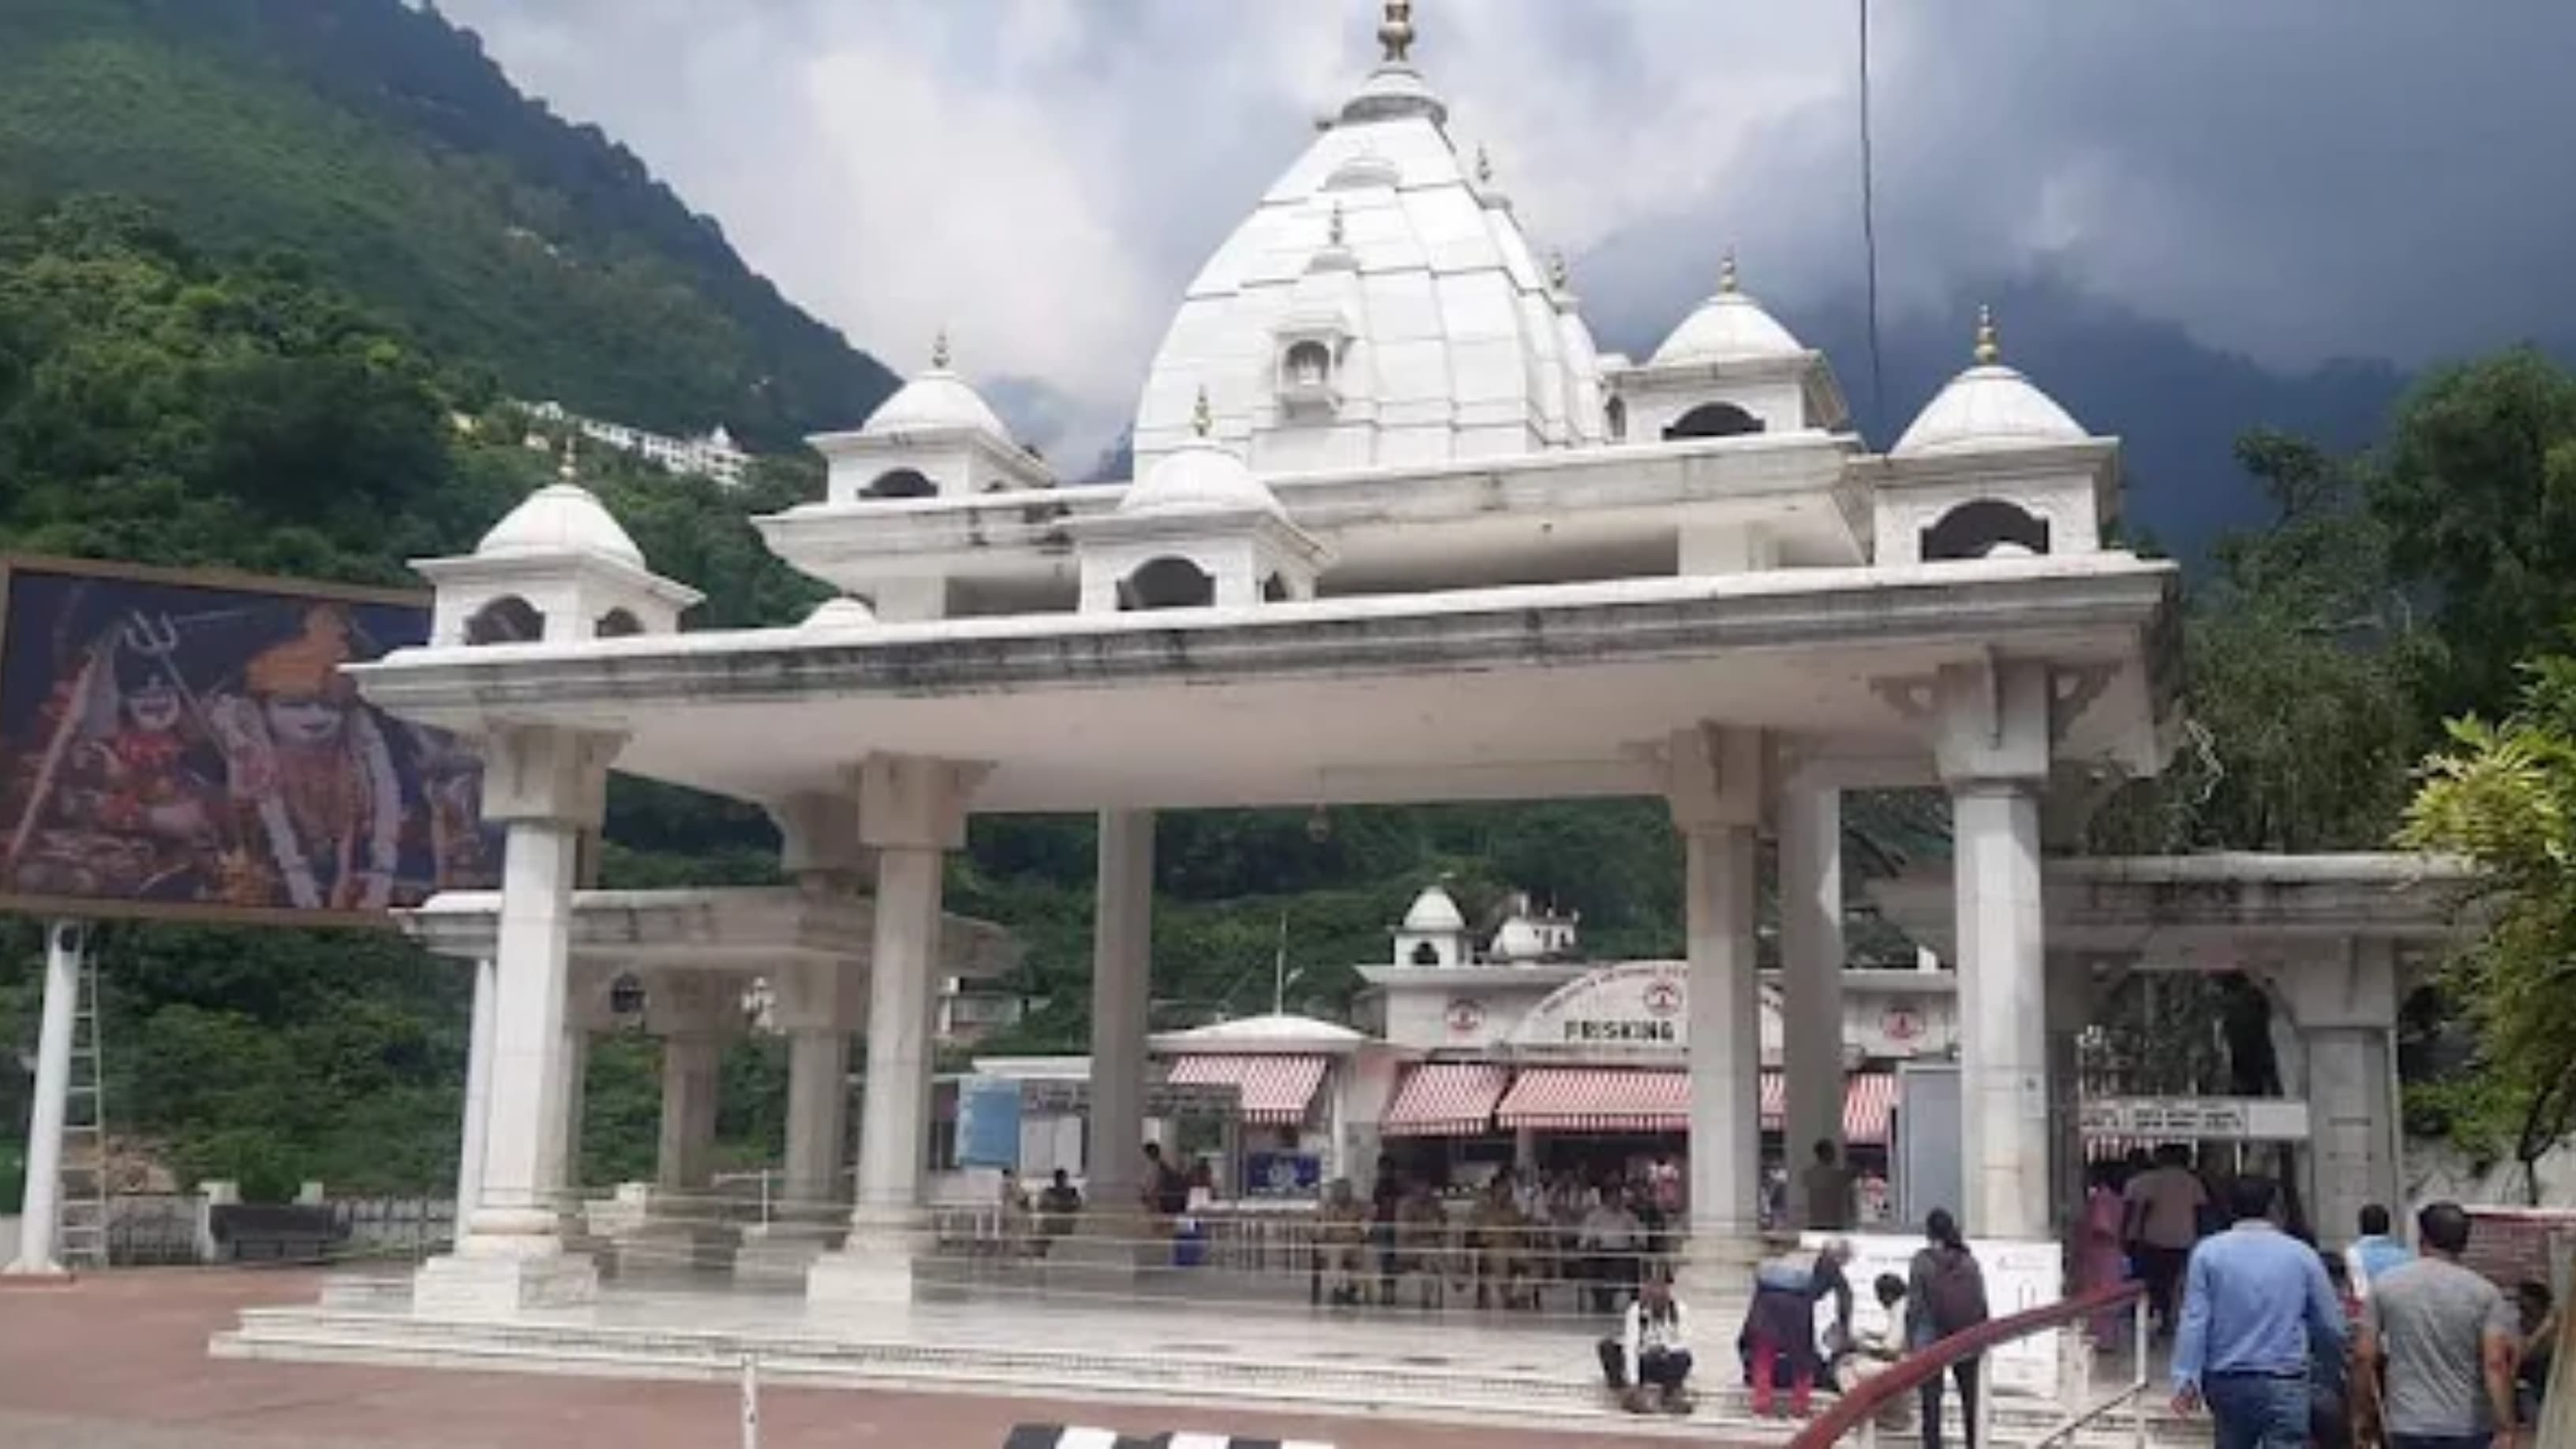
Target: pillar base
(24, 1268)
(780, 1254)
(1716, 1268)
(665, 1245)
(877, 1266)
(489, 1281)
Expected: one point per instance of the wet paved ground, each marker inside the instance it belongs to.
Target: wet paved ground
(119, 1362)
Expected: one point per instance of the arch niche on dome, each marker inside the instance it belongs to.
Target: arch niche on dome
(508, 619)
(1169, 582)
(900, 483)
(618, 624)
(1980, 527)
(1713, 420)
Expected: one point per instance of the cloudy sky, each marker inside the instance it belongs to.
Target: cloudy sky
(2291, 179)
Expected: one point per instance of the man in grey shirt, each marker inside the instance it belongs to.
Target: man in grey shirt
(2449, 1339)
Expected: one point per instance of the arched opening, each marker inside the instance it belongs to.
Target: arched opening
(1309, 364)
(1616, 413)
(1426, 954)
(617, 624)
(901, 483)
(506, 620)
(1167, 583)
(1974, 530)
(1714, 420)
(1274, 589)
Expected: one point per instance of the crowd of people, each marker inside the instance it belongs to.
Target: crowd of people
(1601, 1235)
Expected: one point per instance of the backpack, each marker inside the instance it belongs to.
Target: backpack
(1954, 1291)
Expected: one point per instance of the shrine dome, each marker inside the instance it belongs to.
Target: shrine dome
(1201, 476)
(1434, 911)
(1728, 327)
(840, 613)
(1380, 305)
(936, 400)
(560, 518)
(1987, 406)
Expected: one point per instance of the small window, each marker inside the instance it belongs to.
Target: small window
(1274, 589)
(1310, 366)
(901, 483)
(1974, 530)
(1167, 583)
(1714, 420)
(1426, 954)
(1616, 413)
(506, 620)
(618, 623)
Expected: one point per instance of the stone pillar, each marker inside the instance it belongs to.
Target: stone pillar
(815, 1005)
(2072, 996)
(478, 1094)
(912, 812)
(1811, 978)
(1714, 785)
(818, 1094)
(2345, 1003)
(545, 786)
(683, 1164)
(1122, 950)
(1993, 749)
(37, 1257)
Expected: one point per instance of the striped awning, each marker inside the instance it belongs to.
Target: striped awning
(1597, 1099)
(1446, 1099)
(1277, 1090)
(1869, 1107)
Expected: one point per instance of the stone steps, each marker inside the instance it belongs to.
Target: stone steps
(809, 1358)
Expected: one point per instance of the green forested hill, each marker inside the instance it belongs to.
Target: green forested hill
(378, 143)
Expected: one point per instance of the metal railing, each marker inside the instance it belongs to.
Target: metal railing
(1858, 1414)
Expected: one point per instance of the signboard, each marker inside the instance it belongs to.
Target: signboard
(2195, 1119)
(183, 745)
(1630, 1007)
(1164, 1101)
(1283, 1175)
(988, 1122)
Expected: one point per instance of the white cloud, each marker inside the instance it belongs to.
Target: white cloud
(2296, 179)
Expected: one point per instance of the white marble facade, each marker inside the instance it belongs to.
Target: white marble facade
(1428, 545)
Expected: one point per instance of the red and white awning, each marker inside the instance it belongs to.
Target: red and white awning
(1276, 1090)
(1605, 1099)
(1446, 1099)
(1597, 1099)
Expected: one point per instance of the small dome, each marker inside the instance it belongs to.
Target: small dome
(935, 399)
(560, 517)
(1986, 406)
(1200, 477)
(1728, 327)
(1433, 912)
(840, 613)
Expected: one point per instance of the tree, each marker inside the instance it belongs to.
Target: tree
(2503, 795)
(2478, 493)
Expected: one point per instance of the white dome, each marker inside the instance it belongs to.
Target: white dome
(1433, 912)
(1728, 327)
(1447, 340)
(1986, 406)
(560, 517)
(1519, 940)
(935, 399)
(1202, 477)
(840, 613)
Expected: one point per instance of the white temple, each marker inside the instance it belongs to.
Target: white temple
(1387, 494)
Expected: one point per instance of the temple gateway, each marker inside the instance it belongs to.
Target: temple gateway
(1387, 491)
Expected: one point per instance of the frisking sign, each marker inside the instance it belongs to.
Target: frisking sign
(1635, 1006)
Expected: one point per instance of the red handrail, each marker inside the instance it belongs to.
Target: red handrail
(1917, 1369)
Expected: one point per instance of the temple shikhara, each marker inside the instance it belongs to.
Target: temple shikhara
(1398, 531)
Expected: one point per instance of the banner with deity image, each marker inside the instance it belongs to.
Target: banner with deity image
(183, 745)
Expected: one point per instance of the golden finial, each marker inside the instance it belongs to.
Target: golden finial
(1726, 274)
(1333, 228)
(1558, 273)
(939, 350)
(1395, 33)
(1202, 417)
(1484, 166)
(1990, 349)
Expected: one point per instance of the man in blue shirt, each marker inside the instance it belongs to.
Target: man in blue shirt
(2254, 1301)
